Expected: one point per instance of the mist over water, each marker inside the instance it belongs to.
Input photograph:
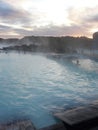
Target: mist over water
(33, 86)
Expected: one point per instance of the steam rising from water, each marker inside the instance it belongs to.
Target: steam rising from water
(32, 86)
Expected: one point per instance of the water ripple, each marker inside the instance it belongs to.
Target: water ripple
(33, 86)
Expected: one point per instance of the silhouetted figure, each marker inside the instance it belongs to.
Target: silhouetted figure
(77, 62)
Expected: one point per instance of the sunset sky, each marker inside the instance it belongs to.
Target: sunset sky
(20, 18)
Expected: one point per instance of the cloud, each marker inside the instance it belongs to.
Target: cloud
(16, 21)
(12, 15)
(52, 30)
(94, 18)
(4, 28)
(5, 9)
(7, 32)
(84, 17)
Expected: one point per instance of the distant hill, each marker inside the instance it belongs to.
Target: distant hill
(51, 44)
(9, 41)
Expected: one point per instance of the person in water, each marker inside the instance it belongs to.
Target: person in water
(77, 62)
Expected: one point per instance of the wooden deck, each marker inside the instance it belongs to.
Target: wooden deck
(58, 126)
(19, 125)
(81, 118)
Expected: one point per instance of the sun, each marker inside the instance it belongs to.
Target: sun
(50, 11)
(55, 11)
(26, 5)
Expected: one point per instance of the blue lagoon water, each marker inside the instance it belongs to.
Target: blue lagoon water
(33, 86)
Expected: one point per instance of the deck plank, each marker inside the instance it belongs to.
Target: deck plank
(19, 125)
(80, 117)
(58, 126)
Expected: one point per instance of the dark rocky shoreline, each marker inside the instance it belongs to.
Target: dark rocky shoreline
(65, 44)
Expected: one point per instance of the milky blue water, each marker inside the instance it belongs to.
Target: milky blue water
(33, 86)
